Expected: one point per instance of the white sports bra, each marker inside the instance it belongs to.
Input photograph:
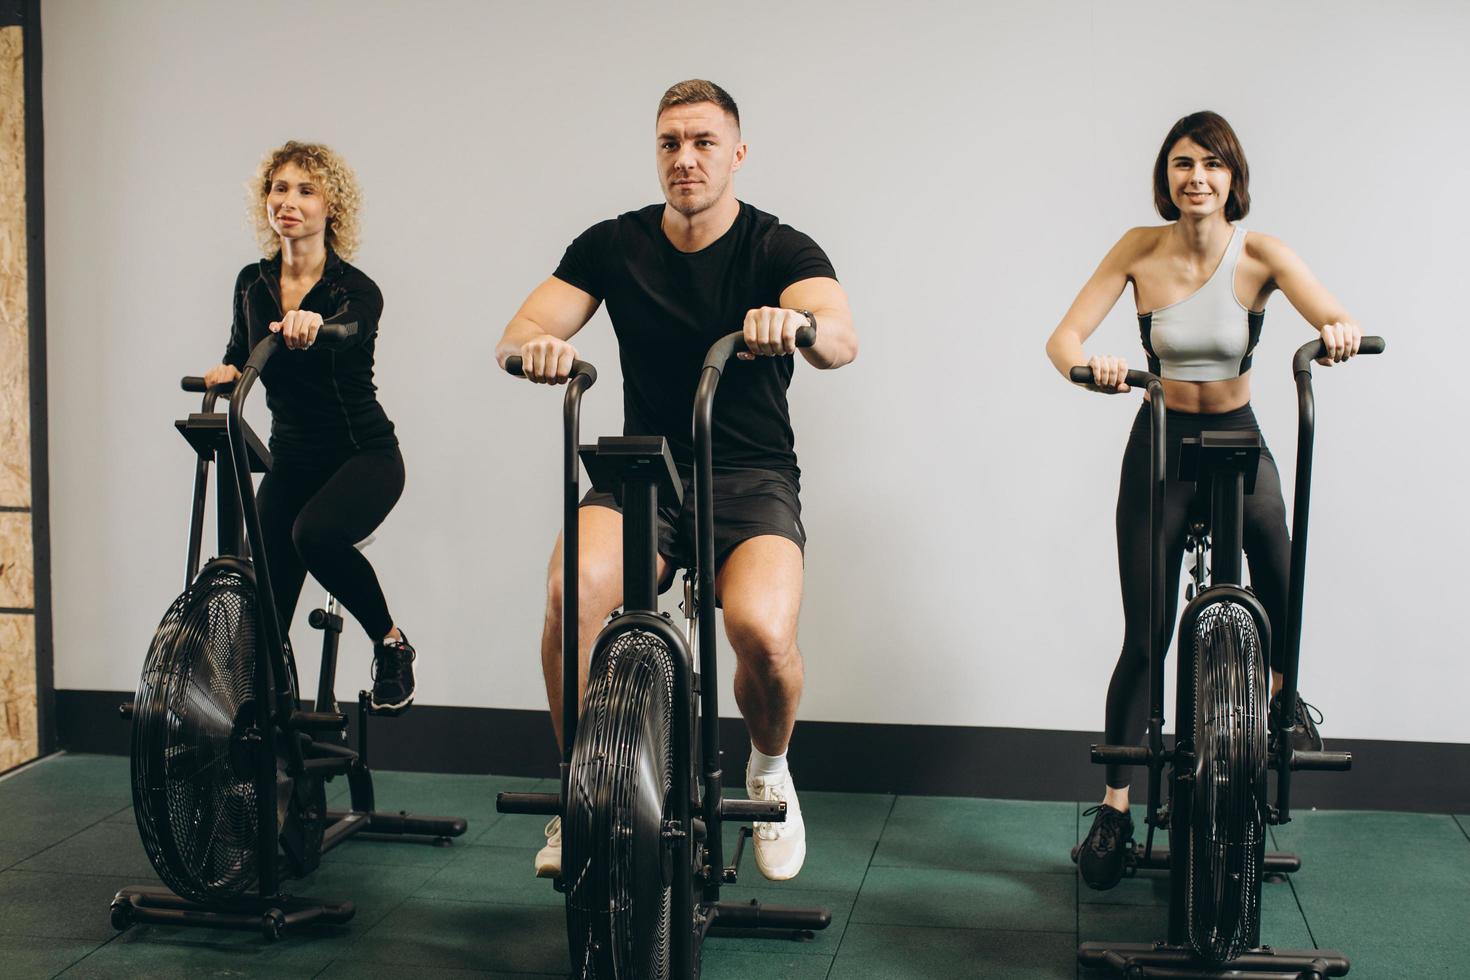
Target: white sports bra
(1208, 335)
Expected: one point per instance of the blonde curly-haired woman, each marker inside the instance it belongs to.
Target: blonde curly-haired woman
(337, 470)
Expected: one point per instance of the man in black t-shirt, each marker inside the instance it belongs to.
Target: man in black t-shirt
(675, 278)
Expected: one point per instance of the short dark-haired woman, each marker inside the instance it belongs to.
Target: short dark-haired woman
(336, 471)
(1200, 285)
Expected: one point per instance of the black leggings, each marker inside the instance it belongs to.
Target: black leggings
(312, 516)
(1267, 547)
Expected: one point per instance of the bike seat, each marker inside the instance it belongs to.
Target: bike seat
(1224, 452)
(616, 460)
(208, 433)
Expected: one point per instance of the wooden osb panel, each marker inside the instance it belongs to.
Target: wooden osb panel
(17, 567)
(19, 740)
(18, 733)
(15, 410)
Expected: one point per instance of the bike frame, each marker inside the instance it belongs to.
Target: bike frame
(1225, 530)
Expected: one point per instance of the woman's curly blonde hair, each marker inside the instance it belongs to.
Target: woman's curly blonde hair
(338, 185)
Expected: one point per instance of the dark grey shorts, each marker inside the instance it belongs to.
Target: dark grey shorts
(748, 504)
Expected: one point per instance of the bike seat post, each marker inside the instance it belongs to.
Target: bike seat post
(640, 544)
(1223, 465)
(1227, 504)
(639, 470)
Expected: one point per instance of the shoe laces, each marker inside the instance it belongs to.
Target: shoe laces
(771, 790)
(553, 830)
(1306, 710)
(1107, 830)
(388, 660)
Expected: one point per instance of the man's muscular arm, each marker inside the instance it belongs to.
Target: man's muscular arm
(837, 342)
(539, 331)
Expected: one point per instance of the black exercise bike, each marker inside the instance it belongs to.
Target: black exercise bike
(642, 858)
(229, 772)
(1218, 807)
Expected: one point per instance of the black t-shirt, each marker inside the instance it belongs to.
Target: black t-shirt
(667, 307)
(323, 402)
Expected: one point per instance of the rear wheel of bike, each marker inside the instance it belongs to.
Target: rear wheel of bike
(1227, 832)
(616, 867)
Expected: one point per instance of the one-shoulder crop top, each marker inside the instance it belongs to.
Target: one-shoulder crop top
(1208, 335)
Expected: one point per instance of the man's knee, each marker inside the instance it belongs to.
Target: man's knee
(762, 642)
(599, 587)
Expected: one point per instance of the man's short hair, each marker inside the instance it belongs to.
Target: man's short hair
(695, 90)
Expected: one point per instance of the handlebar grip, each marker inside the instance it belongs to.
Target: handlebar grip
(1313, 349)
(1082, 375)
(331, 334)
(513, 367)
(194, 384)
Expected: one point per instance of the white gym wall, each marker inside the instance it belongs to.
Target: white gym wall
(964, 165)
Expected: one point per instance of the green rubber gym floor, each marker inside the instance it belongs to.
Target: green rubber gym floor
(918, 887)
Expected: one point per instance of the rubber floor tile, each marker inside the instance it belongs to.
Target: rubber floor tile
(445, 794)
(726, 964)
(891, 952)
(103, 849)
(833, 864)
(427, 933)
(1349, 913)
(393, 851)
(501, 875)
(981, 835)
(77, 775)
(38, 956)
(353, 969)
(186, 956)
(1008, 901)
(58, 906)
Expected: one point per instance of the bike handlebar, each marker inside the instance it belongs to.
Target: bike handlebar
(514, 366)
(1082, 375)
(734, 343)
(1314, 349)
(329, 335)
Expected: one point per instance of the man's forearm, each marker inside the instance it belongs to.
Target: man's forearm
(836, 339)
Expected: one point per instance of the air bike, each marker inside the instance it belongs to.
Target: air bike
(1219, 765)
(641, 800)
(229, 768)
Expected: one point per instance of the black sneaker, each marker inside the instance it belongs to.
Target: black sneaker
(1102, 855)
(1303, 731)
(392, 676)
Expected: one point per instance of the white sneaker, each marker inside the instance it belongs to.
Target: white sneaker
(780, 848)
(548, 859)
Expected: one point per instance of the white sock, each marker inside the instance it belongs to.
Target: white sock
(764, 766)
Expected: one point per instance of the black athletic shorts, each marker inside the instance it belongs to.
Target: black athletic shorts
(748, 504)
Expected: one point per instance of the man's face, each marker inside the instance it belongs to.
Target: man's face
(698, 149)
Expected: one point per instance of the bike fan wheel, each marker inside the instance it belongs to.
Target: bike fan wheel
(195, 750)
(615, 865)
(1227, 832)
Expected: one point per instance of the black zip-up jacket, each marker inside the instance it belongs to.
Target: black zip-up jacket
(323, 403)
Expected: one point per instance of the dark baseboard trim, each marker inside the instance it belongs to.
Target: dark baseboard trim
(926, 760)
(40, 423)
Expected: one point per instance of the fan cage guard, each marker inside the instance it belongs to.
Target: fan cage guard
(621, 775)
(194, 792)
(1228, 830)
